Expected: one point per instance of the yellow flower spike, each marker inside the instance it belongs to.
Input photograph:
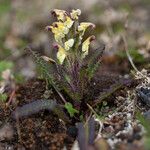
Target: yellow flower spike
(60, 29)
(61, 54)
(60, 14)
(86, 44)
(75, 13)
(84, 25)
(69, 44)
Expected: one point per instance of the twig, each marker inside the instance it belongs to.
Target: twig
(130, 58)
(60, 95)
(12, 95)
(18, 130)
(92, 110)
(89, 117)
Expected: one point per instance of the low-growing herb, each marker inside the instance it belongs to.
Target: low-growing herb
(73, 64)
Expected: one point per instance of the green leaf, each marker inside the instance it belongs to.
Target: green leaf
(93, 61)
(46, 69)
(70, 109)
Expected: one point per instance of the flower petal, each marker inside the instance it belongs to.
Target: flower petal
(69, 22)
(84, 25)
(86, 44)
(61, 28)
(69, 44)
(58, 37)
(61, 54)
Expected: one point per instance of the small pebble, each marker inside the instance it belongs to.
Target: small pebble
(6, 132)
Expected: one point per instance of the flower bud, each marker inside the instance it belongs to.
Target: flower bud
(75, 13)
(60, 14)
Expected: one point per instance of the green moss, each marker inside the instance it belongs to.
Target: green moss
(97, 10)
(136, 56)
(19, 78)
(146, 2)
(4, 53)
(145, 123)
(5, 65)
(3, 31)
(99, 29)
(3, 97)
(22, 16)
(118, 27)
(125, 7)
(22, 43)
(5, 6)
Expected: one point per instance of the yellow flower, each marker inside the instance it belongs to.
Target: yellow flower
(60, 27)
(69, 22)
(84, 25)
(60, 14)
(64, 26)
(86, 44)
(69, 44)
(58, 30)
(75, 13)
(82, 28)
(61, 54)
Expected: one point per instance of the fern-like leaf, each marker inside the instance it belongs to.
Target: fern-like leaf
(93, 61)
(46, 69)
